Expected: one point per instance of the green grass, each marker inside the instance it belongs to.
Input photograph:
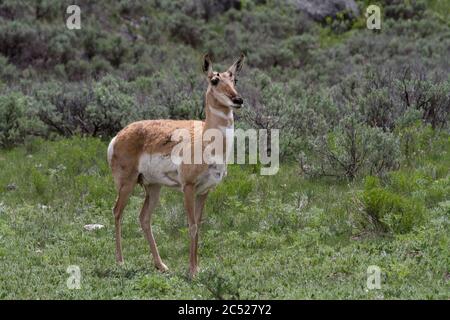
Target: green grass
(441, 8)
(279, 236)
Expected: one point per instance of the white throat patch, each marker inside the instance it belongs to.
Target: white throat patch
(221, 114)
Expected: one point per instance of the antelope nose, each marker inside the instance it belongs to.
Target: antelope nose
(237, 100)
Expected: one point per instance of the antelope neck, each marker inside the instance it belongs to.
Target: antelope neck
(221, 118)
(218, 117)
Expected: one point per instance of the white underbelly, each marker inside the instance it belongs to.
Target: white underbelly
(159, 169)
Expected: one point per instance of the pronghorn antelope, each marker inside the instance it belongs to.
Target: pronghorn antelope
(141, 153)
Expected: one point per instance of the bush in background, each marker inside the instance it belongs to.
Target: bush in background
(15, 124)
(352, 149)
(392, 211)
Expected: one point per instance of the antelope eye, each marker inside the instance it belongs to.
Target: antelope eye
(215, 81)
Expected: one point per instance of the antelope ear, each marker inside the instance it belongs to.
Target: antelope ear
(237, 66)
(207, 66)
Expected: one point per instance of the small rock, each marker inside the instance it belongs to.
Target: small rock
(447, 276)
(11, 187)
(92, 227)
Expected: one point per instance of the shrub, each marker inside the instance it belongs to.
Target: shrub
(13, 9)
(221, 285)
(8, 72)
(39, 45)
(47, 10)
(302, 48)
(417, 141)
(20, 42)
(432, 99)
(298, 113)
(403, 9)
(61, 47)
(91, 41)
(170, 93)
(208, 9)
(130, 7)
(103, 108)
(378, 109)
(115, 49)
(185, 29)
(62, 108)
(439, 190)
(14, 125)
(112, 108)
(385, 97)
(352, 149)
(100, 67)
(392, 211)
(77, 70)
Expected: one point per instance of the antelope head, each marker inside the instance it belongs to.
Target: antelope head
(221, 90)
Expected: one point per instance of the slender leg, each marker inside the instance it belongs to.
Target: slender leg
(151, 201)
(124, 193)
(189, 204)
(199, 207)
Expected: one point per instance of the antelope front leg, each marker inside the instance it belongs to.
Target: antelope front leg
(189, 204)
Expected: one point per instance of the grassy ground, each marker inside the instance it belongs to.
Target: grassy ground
(277, 237)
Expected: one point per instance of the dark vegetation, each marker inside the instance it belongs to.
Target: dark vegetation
(132, 60)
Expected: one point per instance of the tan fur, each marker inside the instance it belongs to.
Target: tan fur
(153, 138)
(147, 136)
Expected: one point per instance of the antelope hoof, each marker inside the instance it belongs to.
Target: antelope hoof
(120, 262)
(193, 272)
(162, 267)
